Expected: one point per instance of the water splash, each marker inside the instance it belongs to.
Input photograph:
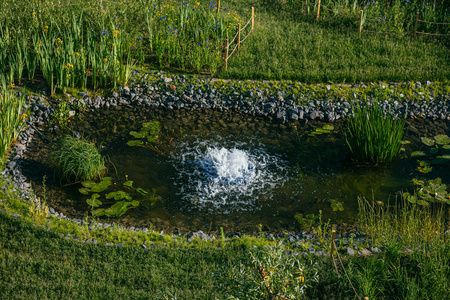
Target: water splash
(226, 176)
(228, 166)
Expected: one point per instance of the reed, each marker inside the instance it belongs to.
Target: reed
(373, 135)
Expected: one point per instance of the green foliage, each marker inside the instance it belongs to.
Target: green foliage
(438, 154)
(95, 187)
(324, 129)
(61, 115)
(430, 191)
(150, 135)
(12, 118)
(271, 274)
(415, 245)
(306, 221)
(336, 205)
(78, 159)
(124, 197)
(374, 136)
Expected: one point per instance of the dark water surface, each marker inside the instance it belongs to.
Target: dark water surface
(284, 172)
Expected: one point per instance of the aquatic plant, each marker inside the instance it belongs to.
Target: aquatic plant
(117, 202)
(438, 154)
(149, 136)
(428, 191)
(78, 159)
(373, 135)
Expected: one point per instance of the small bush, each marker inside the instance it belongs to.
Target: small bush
(78, 159)
(374, 136)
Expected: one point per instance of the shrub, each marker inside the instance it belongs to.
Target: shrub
(374, 136)
(78, 159)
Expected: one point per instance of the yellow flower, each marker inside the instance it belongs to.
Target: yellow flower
(34, 14)
(12, 86)
(77, 54)
(114, 44)
(24, 116)
(105, 59)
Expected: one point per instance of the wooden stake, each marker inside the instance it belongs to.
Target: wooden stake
(318, 11)
(218, 6)
(239, 36)
(415, 25)
(333, 235)
(226, 54)
(253, 17)
(360, 22)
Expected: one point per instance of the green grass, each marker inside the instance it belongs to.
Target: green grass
(37, 264)
(288, 45)
(374, 136)
(78, 159)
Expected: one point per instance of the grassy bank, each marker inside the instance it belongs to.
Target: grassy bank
(94, 45)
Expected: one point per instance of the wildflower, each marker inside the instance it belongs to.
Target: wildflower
(140, 38)
(77, 54)
(105, 60)
(12, 86)
(24, 117)
(34, 14)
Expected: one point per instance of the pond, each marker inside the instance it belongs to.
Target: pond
(223, 169)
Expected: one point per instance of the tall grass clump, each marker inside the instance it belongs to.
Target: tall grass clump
(415, 262)
(12, 117)
(373, 135)
(78, 159)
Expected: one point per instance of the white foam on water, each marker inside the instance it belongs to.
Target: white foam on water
(226, 176)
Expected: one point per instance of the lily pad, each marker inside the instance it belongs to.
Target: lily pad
(98, 212)
(139, 135)
(418, 154)
(427, 141)
(93, 201)
(94, 187)
(442, 139)
(119, 195)
(128, 183)
(117, 209)
(136, 143)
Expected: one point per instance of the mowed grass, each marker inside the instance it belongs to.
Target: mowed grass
(288, 45)
(36, 264)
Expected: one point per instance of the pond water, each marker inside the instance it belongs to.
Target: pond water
(229, 170)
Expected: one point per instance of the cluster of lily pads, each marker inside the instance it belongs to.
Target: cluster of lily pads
(437, 154)
(122, 197)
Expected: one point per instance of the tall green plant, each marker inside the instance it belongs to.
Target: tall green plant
(12, 118)
(78, 159)
(373, 135)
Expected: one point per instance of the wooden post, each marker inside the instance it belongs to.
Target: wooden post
(226, 54)
(253, 17)
(333, 236)
(415, 25)
(360, 22)
(218, 6)
(239, 36)
(318, 11)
